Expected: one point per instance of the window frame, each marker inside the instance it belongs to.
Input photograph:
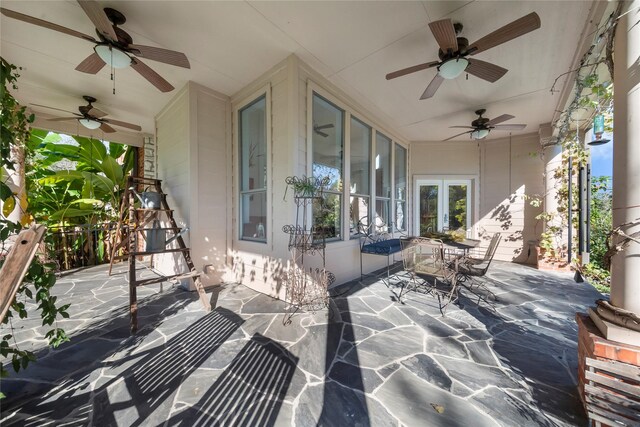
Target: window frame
(246, 102)
(348, 193)
(349, 111)
(396, 145)
(340, 194)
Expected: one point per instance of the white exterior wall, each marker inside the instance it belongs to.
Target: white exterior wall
(506, 171)
(198, 162)
(264, 266)
(192, 140)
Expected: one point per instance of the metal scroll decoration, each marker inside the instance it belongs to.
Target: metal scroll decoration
(306, 287)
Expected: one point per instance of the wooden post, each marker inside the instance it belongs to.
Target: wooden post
(133, 247)
(16, 265)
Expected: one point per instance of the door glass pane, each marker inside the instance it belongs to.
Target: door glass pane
(326, 216)
(457, 207)
(358, 214)
(428, 209)
(400, 215)
(383, 166)
(360, 157)
(400, 172)
(327, 142)
(382, 216)
(254, 216)
(253, 146)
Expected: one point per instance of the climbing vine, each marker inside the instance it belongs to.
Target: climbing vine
(40, 277)
(593, 94)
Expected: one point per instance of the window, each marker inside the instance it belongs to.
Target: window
(328, 149)
(252, 138)
(383, 182)
(400, 182)
(360, 183)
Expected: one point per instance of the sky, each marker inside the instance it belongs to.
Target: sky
(602, 158)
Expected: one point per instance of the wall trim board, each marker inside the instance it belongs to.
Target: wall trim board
(260, 81)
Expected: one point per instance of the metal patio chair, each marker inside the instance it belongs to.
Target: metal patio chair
(426, 265)
(471, 268)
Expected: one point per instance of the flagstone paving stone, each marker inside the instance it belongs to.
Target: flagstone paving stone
(369, 359)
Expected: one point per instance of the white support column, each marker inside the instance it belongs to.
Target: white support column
(625, 280)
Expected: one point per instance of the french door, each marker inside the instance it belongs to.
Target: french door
(443, 204)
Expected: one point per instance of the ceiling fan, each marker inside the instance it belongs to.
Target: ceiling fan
(318, 129)
(454, 52)
(481, 126)
(92, 118)
(114, 45)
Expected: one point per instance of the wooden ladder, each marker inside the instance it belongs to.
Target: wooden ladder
(126, 238)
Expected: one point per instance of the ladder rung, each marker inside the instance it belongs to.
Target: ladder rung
(162, 228)
(143, 179)
(151, 253)
(179, 276)
(159, 252)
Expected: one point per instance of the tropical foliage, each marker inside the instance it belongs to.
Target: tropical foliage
(39, 280)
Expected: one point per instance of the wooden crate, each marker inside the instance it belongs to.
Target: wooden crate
(612, 393)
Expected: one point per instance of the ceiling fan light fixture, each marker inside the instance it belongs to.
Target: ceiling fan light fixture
(89, 123)
(113, 56)
(452, 68)
(480, 133)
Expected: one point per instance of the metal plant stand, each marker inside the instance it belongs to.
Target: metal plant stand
(307, 287)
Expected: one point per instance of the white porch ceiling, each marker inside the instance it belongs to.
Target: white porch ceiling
(353, 44)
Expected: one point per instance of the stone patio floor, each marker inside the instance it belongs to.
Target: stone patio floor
(366, 360)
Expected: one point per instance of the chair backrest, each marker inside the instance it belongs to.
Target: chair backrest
(493, 245)
(424, 256)
(481, 269)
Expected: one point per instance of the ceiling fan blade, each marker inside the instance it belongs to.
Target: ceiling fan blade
(444, 34)
(62, 119)
(122, 124)
(327, 126)
(500, 119)
(94, 112)
(510, 31)
(322, 133)
(167, 56)
(455, 136)
(433, 87)
(46, 24)
(106, 128)
(91, 64)
(153, 77)
(410, 70)
(485, 70)
(58, 109)
(510, 127)
(99, 18)
(461, 127)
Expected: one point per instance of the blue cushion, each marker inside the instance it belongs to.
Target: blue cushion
(384, 247)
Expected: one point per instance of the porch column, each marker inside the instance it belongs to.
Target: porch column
(553, 160)
(625, 268)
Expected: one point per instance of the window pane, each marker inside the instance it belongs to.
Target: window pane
(360, 157)
(383, 166)
(428, 209)
(400, 172)
(253, 146)
(358, 214)
(326, 216)
(457, 207)
(328, 142)
(400, 215)
(254, 215)
(381, 220)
